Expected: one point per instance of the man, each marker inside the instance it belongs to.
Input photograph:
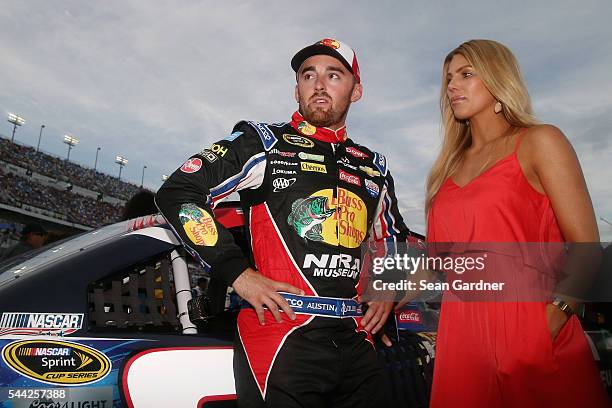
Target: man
(33, 236)
(312, 197)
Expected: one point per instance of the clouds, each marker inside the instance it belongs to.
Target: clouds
(156, 81)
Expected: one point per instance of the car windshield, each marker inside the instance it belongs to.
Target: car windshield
(34, 260)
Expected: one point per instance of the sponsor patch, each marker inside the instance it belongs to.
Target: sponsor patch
(316, 167)
(356, 153)
(409, 316)
(310, 156)
(372, 188)
(346, 163)
(198, 225)
(281, 171)
(381, 163)
(369, 171)
(56, 362)
(282, 183)
(192, 165)
(209, 156)
(218, 149)
(334, 216)
(283, 163)
(306, 128)
(333, 265)
(298, 141)
(349, 178)
(281, 153)
(233, 136)
(330, 42)
(47, 324)
(265, 134)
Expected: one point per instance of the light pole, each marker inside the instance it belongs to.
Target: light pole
(71, 142)
(96, 162)
(16, 120)
(121, 161)
(142, 178)
(39, 136)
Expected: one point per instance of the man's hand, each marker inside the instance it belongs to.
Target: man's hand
(260, 291)
(556, 319)
(375, 318)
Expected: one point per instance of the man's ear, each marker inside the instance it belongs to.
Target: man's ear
(297, 94)
(357, 93)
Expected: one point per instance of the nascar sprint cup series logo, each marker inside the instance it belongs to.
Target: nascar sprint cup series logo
(340, 220)
(56, 362)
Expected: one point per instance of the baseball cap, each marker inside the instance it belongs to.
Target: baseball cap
(333, 48)
(33, 228)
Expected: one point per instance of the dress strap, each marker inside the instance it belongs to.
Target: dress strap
(519, 139)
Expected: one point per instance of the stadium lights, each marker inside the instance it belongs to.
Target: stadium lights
(39, 136)
(96, 162)
(71, 141)
(121, 161)
(142, 178)
(16, 120)
(164, 177)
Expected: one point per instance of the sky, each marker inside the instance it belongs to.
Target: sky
(156, 81)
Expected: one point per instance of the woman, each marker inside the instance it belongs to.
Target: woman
(502, 177)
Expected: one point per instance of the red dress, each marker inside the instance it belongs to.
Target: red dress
(500, 354)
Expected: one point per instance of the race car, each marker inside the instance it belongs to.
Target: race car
(103, 320)
(106, 319)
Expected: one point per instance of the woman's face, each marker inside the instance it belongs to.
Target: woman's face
(467, 94)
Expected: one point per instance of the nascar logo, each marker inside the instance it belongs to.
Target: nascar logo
(40, 323)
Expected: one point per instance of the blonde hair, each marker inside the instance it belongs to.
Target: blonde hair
(499, 71)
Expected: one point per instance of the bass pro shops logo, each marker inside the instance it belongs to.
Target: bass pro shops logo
(56, 362)
(198, 225)
(336, 220)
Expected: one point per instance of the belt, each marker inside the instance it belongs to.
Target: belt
(321, 306)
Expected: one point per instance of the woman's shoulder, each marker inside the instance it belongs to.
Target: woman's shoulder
(545, 139)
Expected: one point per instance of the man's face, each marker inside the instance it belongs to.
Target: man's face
(325, 90)
(36, 239)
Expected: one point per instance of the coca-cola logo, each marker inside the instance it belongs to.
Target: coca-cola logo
(413, 317)
(349, 178)
(356, 153)
(192, 165)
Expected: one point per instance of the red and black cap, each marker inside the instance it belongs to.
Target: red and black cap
(333, 48)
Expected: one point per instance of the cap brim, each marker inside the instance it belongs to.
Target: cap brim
(317, 49)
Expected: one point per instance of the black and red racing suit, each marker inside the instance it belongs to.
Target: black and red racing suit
(312, 197)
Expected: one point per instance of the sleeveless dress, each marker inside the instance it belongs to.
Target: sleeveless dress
(501, 354)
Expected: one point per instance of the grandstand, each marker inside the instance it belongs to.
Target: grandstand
(62, 195)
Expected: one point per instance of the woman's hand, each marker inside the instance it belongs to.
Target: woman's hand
(556, 319)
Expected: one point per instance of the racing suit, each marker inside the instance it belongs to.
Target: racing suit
(311, 197)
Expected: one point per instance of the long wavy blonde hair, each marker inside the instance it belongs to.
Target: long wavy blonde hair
(499, 71)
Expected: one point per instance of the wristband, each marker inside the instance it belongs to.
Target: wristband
(561, 304)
